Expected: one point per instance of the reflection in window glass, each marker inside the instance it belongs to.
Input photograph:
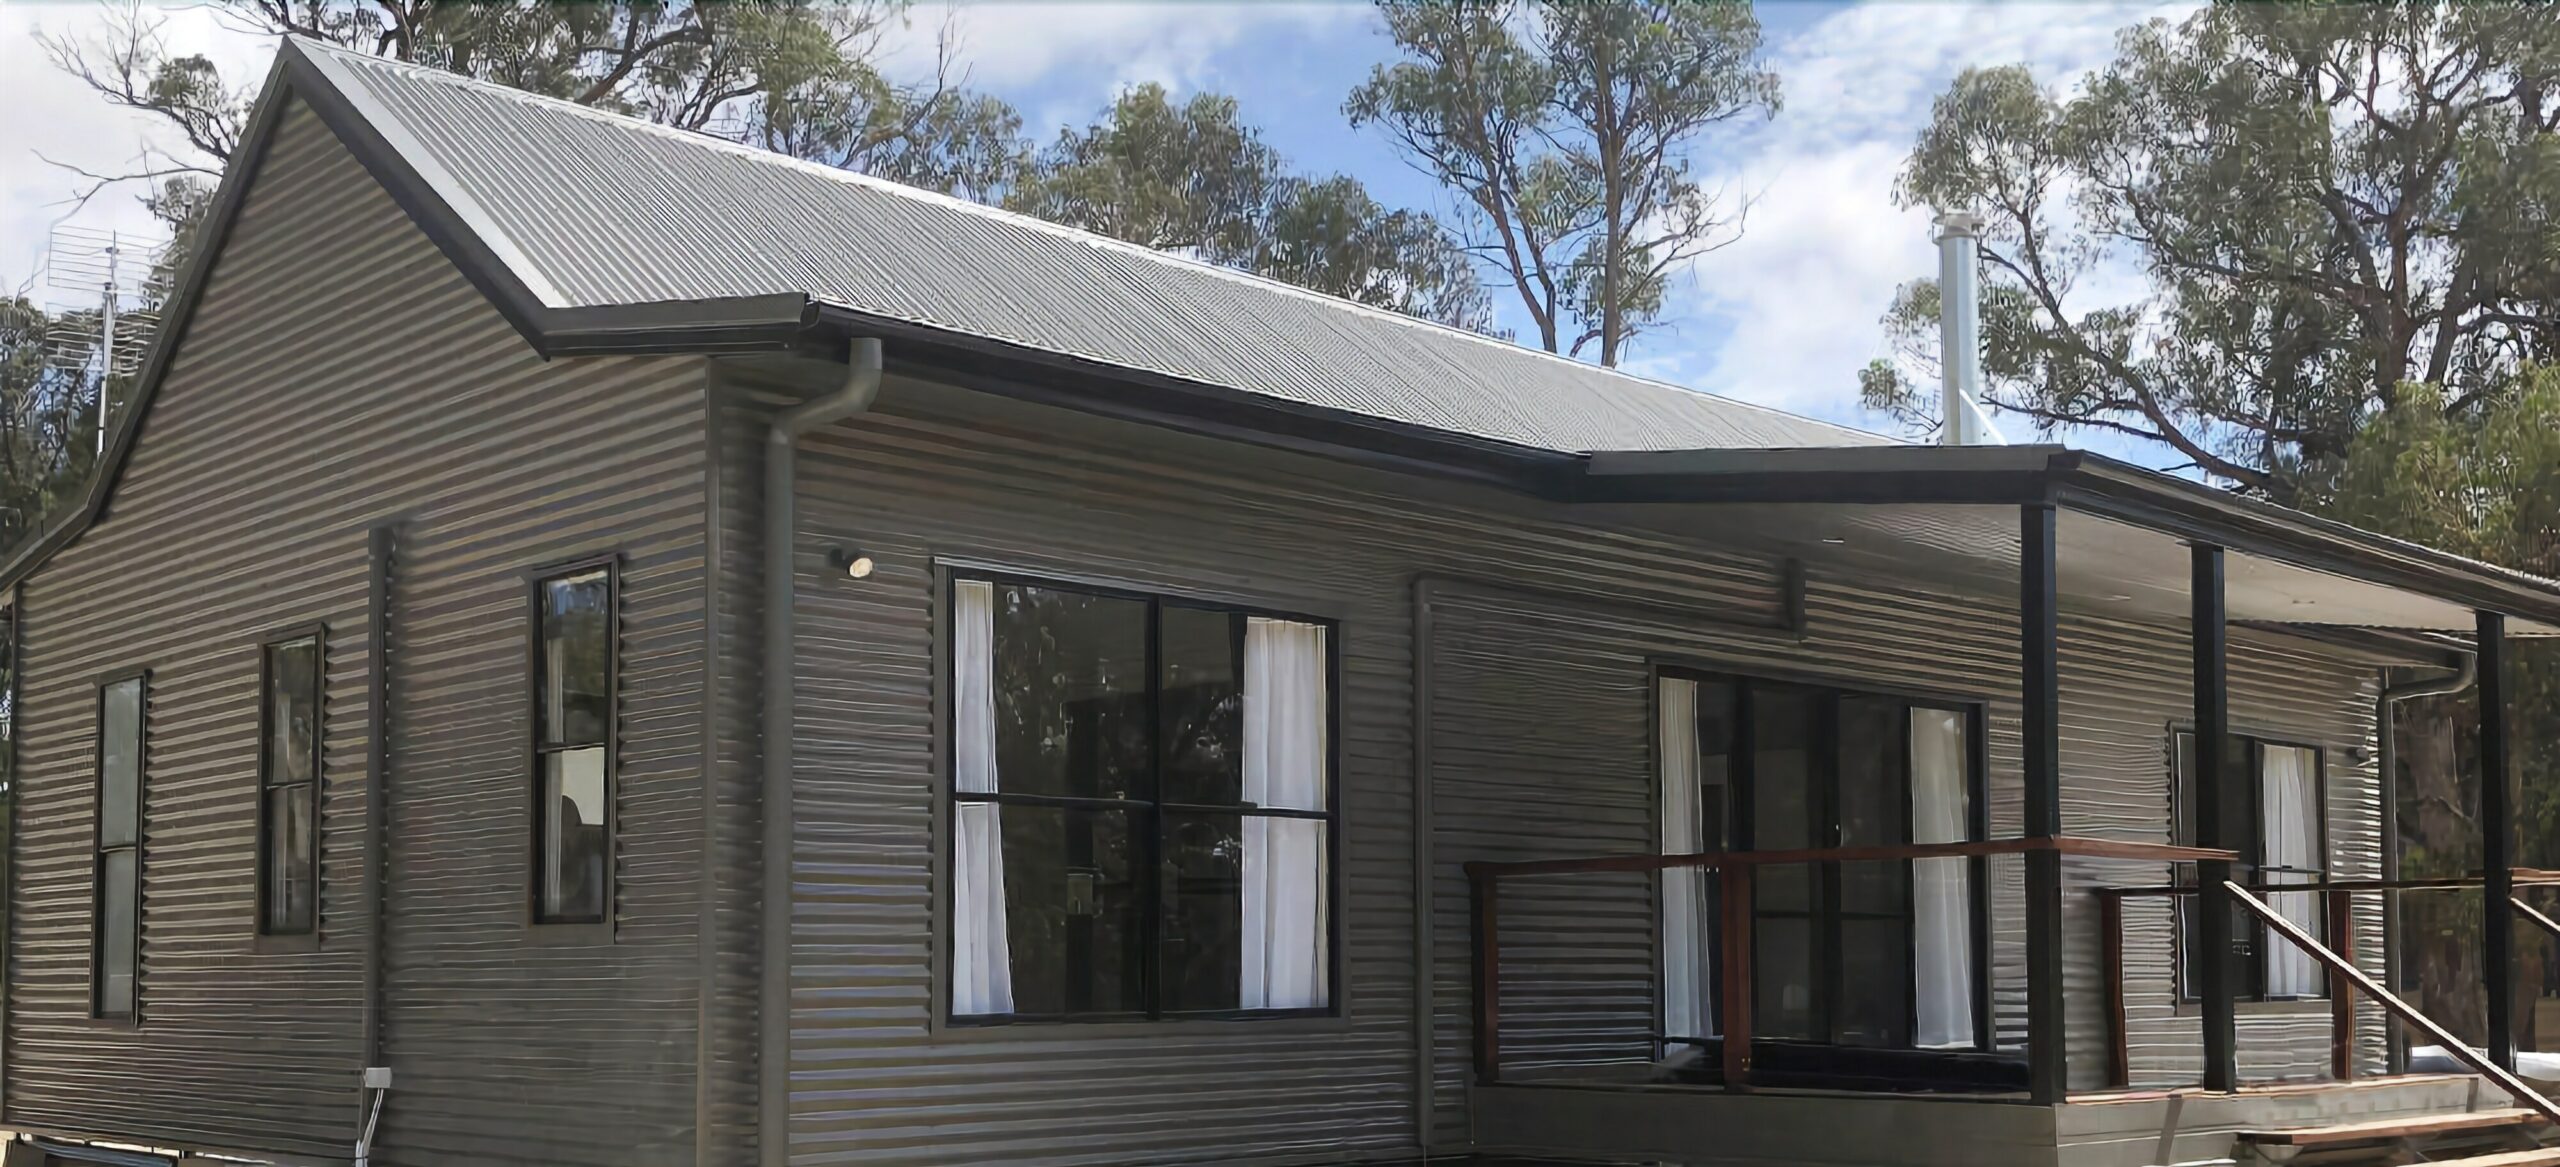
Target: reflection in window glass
(577, 657)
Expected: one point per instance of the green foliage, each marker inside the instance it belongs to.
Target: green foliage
(2483, 481)
(2321, 204)
(1191, 177)
(1566, 131)
(48, 408)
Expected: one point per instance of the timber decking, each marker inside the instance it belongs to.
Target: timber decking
(2399, 1128)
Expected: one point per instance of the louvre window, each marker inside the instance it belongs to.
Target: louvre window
(1143, 806)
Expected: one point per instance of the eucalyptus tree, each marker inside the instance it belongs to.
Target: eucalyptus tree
(1568, 133)
(2251, 232)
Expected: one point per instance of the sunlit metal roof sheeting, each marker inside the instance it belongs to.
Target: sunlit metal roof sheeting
(593, 209)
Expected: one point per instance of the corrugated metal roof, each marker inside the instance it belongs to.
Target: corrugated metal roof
(594, 209)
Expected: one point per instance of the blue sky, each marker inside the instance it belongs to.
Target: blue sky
(1785, 316)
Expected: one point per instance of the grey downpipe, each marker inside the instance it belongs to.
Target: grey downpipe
(374, 1079)
(2387, 757)
(781, 521)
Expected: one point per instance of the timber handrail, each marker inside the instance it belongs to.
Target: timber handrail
(2522, 876)
(2076, 845)
(2343, 969)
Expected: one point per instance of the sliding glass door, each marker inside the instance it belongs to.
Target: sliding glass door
(1876, 954)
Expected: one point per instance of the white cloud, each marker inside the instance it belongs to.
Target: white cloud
(1799, 296)
(1092, 50)
(55, 116)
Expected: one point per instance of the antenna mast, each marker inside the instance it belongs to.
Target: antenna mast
(106, 308)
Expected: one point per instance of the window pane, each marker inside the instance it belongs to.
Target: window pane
(1715, 761)
(1783, 800)
(1071, 694)
(1073, 914)
(575, 855)
(120, 764)
(1782, 772)
(1782, 971)
(1871, 800)
(293, 711)
(285, 903)
(118, 936)
(1204, 911)
(577, 658)
(1875, 982)
(1203, 705)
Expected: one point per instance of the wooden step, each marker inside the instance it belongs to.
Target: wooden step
(2382, 1130)
(2547, 1157)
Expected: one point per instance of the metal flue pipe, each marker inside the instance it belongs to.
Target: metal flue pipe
(1959, 328)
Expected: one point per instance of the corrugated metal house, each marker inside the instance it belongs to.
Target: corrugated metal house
(599, 646)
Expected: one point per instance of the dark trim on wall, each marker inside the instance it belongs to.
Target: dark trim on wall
(382, 544)
(715, 549)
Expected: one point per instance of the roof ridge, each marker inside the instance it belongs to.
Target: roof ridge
(1031, 222)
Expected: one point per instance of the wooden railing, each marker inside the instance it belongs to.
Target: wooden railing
(2343, 972)
(1484, 889)
(2338, 912)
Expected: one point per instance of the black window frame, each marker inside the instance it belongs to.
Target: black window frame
(100, 848)
(1150, 864)
(268, 936)
(1739, 821)
(2252, 747)
(598, 927)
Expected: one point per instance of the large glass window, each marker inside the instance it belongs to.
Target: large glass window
(1142, 805)
(1877, 953)
(117, 912)
(2283, 839)
(574, 711)
(289, 786)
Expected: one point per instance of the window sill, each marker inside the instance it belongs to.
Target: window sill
(1055, 1029)
(303, 942)
(2279, 1007)
(596, 935)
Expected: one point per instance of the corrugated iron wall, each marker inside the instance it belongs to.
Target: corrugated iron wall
(1539, 743)
(341, 373)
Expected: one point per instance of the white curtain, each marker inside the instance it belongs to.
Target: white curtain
(2288, 805)
(981, 961)
(1687, 975)
(1285, 752)
(1941, 889)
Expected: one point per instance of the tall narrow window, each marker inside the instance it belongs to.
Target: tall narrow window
(1142, 806)
(289, 788)
(574, 674)
(117, 913)
(2283, 840)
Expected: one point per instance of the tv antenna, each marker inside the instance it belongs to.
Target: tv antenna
(107, 289)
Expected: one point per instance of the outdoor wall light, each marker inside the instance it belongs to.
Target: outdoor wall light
(854, 562)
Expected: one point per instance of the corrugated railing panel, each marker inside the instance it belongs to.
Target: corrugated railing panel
(340, 373)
